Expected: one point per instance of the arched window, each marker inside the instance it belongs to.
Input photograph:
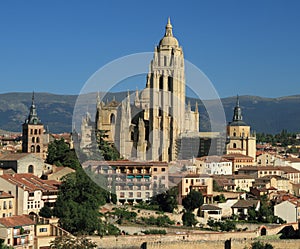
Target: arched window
(38, 149)
(33, 139)
(35, 131)
(30, 169)
(37, 139)
(112, 118)
(234, 145)
(234, 134)
(32, 149)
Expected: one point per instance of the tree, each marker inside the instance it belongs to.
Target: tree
(167, 201)
(260, 245)
(68, 242)
(108, 151)
(78, 203)
(193, 200)
(188, 219)
(60, 154)
(46, 212)
(3, 246)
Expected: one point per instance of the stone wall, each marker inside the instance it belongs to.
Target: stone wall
(235, 244)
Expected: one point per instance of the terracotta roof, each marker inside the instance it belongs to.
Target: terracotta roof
(30, 182)
(4, 195)
(209, 207)
(124, 163)
(237, 155)
(12, 156)
(212, 159)
(14, 221)
(245, 203)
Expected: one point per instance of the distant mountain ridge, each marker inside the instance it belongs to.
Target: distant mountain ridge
(269, 115)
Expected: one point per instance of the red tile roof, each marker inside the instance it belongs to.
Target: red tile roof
(31, 182)
(14, 221)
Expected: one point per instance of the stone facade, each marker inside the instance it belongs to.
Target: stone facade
(33, 134)
(149, 128)
(24, 163)
(240, 138)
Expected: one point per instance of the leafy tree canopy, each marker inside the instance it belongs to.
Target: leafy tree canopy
(78, 203)
(188, 219)
(167, 201)
(60, 154)
(108, 151)
(193, 200)
(68, 242)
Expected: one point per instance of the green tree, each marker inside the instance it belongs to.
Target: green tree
(60, 154)
(108, 151)
(68, 242)
(261, 245)
(188, 219)
(193, 200)
(46, 212)
(78, 203)
(3, 246)
(167, 201)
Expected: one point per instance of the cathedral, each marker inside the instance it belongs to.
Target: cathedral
(147, 125)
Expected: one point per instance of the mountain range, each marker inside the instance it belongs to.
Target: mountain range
(268, 115)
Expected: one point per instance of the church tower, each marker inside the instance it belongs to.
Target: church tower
(32, 133)
(239, 134)
(165, 93)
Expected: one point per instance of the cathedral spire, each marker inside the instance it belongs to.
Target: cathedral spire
(169, 28)
(237, 115)
(137, 99)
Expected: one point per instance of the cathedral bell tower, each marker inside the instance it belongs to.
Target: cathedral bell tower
(32, 133)
(241, 140)
(166, 97)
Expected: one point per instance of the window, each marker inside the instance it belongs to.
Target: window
(112, 118)
(155, 169)
(43, 230)
(170, 84)
(37, 139)
(161, 83)
(163, 169)
(30, 169)
(35, 131)
(32, 149)
(33, 139)
(38, 149)
(234, 145)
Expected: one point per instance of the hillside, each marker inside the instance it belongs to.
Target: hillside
(269, 115)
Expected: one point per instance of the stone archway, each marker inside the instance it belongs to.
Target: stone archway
(263, 231)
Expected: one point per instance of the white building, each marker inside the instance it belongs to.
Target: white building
(213, 165)
(287, 210)
(30, 192)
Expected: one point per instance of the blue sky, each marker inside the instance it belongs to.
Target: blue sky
(244, 47)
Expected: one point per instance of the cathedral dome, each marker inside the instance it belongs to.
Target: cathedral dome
(169, 39)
